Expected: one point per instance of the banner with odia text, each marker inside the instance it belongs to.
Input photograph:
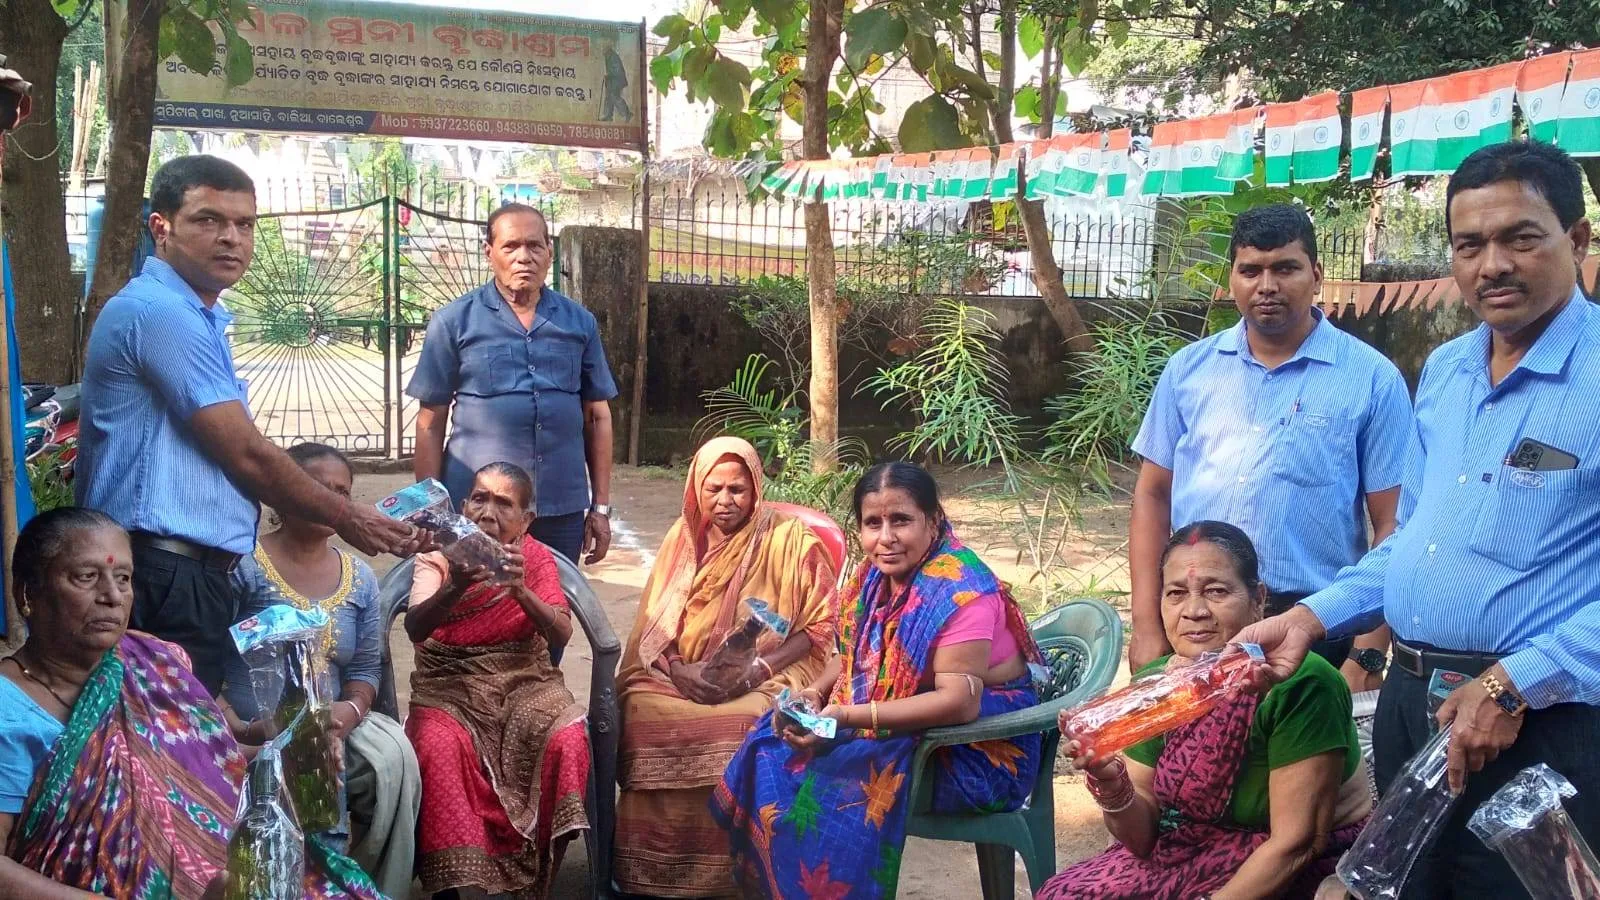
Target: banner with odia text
(358, 67)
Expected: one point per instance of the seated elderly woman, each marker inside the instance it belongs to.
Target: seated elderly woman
(502, 742)
(927, 636)
(678, 731)
(296, 564)
(1256, 799)
(118, 774)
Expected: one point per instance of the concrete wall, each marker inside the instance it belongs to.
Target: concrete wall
(1407, 336)
(600, 268)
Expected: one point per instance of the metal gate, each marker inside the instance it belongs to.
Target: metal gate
(329, 319)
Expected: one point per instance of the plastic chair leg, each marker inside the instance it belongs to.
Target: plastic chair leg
(997, 871)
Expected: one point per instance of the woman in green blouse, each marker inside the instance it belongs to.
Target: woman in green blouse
(1257, 798)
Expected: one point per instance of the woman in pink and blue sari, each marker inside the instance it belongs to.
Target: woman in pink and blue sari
(928, 637)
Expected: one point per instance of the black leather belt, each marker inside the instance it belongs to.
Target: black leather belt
(1422, 663)
(210, 557)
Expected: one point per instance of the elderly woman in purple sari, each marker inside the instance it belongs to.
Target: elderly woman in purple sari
(928, 637)
(119, 776)
(1259, 797)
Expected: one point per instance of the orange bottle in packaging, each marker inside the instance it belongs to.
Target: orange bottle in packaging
(1161, 701)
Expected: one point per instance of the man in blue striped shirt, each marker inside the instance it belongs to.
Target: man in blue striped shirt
(167, 447)
(1492, 581)
(1283, 425)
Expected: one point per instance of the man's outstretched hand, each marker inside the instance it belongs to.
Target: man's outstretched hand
(1285, 639)
(372, 532)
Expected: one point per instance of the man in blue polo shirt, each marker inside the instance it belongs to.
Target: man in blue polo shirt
(1284, 426)
(519, 374)
(167, 447)
(1490, 583)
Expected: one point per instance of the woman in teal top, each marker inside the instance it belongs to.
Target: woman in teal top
(1255, 799)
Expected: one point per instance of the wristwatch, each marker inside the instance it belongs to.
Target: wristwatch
(1370, 659)
(601, 509)
(1502, 694)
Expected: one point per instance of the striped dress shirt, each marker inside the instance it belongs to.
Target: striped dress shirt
(1287, 455)
(1491, 558)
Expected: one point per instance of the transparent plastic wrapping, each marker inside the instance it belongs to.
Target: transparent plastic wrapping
(800, 710)
(1406, 822)
(1162, 701)
(1525, 822)
(289, 676)
(266, 855)
(727, 665)
(426, 505)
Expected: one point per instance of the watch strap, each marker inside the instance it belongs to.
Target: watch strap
(1502, 695)
(601, 509)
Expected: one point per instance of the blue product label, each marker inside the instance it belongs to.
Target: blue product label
(427, 495)
(277, 624)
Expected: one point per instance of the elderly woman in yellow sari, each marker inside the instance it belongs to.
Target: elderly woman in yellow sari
(679, 730)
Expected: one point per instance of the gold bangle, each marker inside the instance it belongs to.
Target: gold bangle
(873, 706)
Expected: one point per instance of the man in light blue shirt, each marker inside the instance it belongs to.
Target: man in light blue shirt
(166, 446)
(1492, 582)
(1282, 425)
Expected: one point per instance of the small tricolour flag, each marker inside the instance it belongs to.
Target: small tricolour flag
(1080, 164)
(1437, 123)
(1578, 130)
(1044, 166)
(979, 168)
(947, 175)
(1163, 173)
(1238, 160)
(1114, 161)
(1366, 130)
(1539, 88)
(778, 178)
(1003, 181)
(1279, 147)
(880, 175)
(1317, 138)
(1199, 152)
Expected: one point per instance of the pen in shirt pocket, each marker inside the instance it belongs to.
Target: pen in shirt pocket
(1293, 411)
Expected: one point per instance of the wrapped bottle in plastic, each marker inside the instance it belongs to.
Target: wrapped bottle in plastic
(1525, 822)
(426, 505)
(266, 855)
(289, 676)
(726, 665)
(1162, 701)
(1405, 824)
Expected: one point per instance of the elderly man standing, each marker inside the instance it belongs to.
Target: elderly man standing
(520, 375)
(167, 447)
(1489, 584)
(1284, 426)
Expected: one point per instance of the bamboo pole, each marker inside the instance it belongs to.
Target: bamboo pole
(641, 340)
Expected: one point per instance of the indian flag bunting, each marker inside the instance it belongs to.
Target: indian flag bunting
(1578, 129)
(944, 168)
(880, 175)
(1199, 152)
(1435, 124)
(921, 176)
(1238, 160)
(1281, 121)
(1366, 130)
(1317, 138)
(1003, 181)
(980, 168)
(1043, 169)
(1539, 88)
(780, 177)
(1162, 171)
(899, 176)
(1080, 165)
(1114, 162)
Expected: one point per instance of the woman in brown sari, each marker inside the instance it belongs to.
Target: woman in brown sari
(678, 730)
(501, 742)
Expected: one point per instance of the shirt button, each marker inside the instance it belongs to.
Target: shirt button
(1241, 479)
(1432, 547)
(1256, 429)
(1489, 405)
(1461, 480)
(531, 369)
(1416, 620)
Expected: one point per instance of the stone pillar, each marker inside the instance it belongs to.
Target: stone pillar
(600, 269)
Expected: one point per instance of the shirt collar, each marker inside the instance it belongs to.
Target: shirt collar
(489, 295)
(1550, 353)
(168, 277)
(1322, 344)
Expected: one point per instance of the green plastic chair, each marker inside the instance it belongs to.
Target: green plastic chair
(1082, 644)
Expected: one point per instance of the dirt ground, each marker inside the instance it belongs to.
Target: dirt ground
(646, 501)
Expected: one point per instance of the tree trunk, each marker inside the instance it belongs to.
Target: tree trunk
(1035, 227)
(131, 109)
(35, 205)
(822, 50)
